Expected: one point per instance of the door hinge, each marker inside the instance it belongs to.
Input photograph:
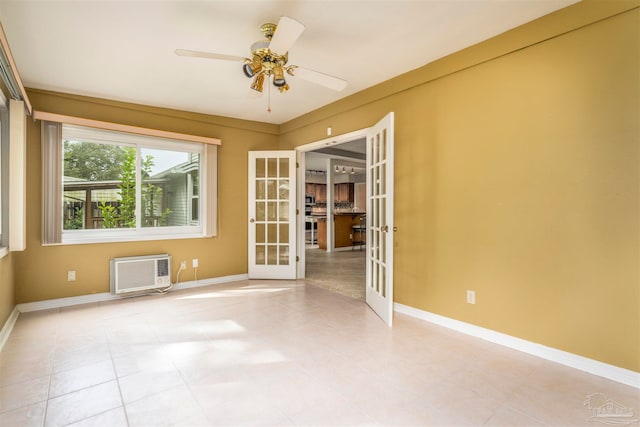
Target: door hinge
(297, 258)
(297, 211)
(297, 165)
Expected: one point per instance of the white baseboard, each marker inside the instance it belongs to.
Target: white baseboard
(614, 373)
(8, 327)
(106, 296)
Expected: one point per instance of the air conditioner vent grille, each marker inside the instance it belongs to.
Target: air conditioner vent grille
(163, 267)
(138, 274)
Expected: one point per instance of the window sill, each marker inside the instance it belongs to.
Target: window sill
(4, 251)
(120, 237)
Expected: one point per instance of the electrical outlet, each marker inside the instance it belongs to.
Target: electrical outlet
(471, 297)
(183, 265)
(71, 276)
(194, 263)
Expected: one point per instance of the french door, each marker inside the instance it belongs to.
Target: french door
(272, 215)
(379, 282)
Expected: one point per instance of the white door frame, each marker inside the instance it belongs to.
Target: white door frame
(300, 151)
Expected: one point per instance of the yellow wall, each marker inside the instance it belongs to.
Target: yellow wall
(7, 299)
(517, 176)
(41, 272)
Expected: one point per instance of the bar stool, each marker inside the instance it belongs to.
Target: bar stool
(360, 230)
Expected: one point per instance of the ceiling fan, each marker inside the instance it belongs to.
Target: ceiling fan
(269, 58)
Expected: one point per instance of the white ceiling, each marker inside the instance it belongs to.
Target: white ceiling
(347, 154)
(124, 50)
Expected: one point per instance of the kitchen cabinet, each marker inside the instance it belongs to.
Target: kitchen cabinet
(343, 193)
(321, 193)
(310, 189)
(344, 233)
(322, 233)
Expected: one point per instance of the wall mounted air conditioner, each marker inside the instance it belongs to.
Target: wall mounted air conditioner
(140, 273)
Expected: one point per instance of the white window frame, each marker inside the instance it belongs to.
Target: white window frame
(191, 196)
(4, 175)
(139, 233)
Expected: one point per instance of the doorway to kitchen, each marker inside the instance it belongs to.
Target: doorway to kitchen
(379, 210)
(332, 176)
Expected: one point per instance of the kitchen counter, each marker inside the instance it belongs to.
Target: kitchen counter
(349, 213)
(343, 228)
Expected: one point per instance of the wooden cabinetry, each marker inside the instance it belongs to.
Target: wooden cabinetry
(321, 193)
(345, 234)
(343, 193)
(342, 231)
(310, 189)
(322, 233)
(318, 190)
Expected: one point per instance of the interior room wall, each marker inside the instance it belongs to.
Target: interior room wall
(7, 295)
(517, 176)
(41, 272)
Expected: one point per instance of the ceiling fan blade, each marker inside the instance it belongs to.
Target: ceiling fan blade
(209, 55)
(319, 78)
(286, 34)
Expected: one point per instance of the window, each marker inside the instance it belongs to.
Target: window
(117, 186)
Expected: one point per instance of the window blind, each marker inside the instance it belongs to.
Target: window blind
(51, 188)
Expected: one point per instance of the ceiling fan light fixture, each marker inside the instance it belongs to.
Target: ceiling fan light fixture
(278, 77)
(284, 88)
(258, 82)
(252, 68)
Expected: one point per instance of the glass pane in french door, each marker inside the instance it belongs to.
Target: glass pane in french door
(272, 208)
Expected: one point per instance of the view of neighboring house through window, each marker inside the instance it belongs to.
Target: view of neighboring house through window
(119, 181)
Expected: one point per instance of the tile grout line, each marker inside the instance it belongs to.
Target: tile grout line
(115, 374)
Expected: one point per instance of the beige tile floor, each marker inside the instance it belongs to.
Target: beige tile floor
(274, 353)
(342, 272)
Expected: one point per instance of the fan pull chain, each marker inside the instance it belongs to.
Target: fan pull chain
(269, 95)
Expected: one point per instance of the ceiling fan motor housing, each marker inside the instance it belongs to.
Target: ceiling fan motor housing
(263, 61)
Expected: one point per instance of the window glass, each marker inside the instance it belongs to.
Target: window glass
(167, 187)
(99, 185)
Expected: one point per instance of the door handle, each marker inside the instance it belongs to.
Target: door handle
(395, 229)
(252, 220)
